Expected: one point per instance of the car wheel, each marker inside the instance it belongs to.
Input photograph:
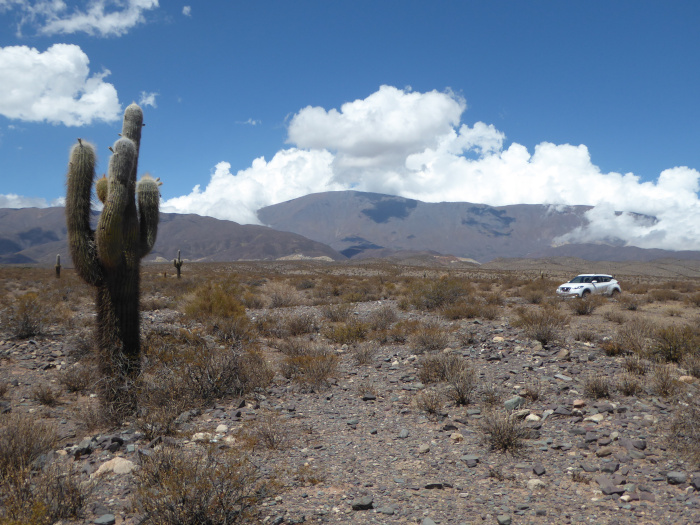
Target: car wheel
(615, 293)
(585, 294)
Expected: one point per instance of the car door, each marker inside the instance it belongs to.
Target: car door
(602, 284)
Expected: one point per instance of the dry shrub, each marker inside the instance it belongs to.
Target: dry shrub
(636, 336)
(615, 317)
(4, 387)
(586, 305)
(301, 323)
(663, 381)
(268, 431)
(494, 299)
(216, 300)
(542, 323)
(382, 318)
(431, 294)
(629, 302)
(428, 337)
(363, 354)
(26, 316)
(597, 387)
(462, 309)
(533, 390)
(270, 325)
(313, 368)
(585, 335)
(503, 431)
(672, 342)
(44, 496)
(629, 384)
(691, 363)
(235, 330)
(252, 300)
(23, 439)
(429, 401)
(612, 347)
(491, 395)
(665, 294)
(203, 486)
(637, 365)
(452, 369)
(685, 432)
(281, 295)
(294, 346)
(44, 394)
(181, 370)
(693, 299)
(347, 333)
(366, 387)
(402, 331)
(78, 377)
(337, 313)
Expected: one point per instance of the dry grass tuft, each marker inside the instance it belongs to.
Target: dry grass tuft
(503, 432)
(542, 324)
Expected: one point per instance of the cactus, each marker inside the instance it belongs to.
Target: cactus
(109, 257)
(58, 266)
(177, 263)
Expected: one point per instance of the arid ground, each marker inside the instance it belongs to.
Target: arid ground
(310, 392)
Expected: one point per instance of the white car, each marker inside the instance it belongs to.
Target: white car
(589, 283)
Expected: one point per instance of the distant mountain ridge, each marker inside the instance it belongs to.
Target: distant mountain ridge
(360, 224)
(346, 224)
(36, 235)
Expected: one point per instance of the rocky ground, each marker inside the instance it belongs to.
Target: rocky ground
(371, 453)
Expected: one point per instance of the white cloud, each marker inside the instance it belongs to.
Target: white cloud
(148, 99)
(413, 144)
(12, 200)
(102, 17)
(250, 122)
(187, 10)
(54, 86)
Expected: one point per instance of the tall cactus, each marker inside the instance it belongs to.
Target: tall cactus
(109, 257)
(177, 263)
(58, 266)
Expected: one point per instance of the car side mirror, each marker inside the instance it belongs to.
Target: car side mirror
(594, 282)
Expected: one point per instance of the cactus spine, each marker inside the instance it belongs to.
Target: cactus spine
(177, 263)
(109, 257)
(58, 266)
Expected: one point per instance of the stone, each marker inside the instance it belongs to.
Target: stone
(365, 503)
(579, 403)
(538, 470)
(456, 437)
(403, 433)
(221, 429)
(106, 519)
(428, 521)
(596, 418)
(603, 452)
(533, 418)
(536, 484)
(676, 478)
(514, 402)
(503, 519)
(116, 466)
(424, 448)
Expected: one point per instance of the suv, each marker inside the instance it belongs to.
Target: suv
(588, 283)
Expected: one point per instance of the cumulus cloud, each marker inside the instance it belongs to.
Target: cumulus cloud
(414, 144)
(12, 200)
(54, 86)
(101, 17)
(148, 99)
(187, 10)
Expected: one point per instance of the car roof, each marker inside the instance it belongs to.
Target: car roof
(592, 274)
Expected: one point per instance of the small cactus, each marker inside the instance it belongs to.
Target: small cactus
(177, 263)
(109, 257)
(58, 266)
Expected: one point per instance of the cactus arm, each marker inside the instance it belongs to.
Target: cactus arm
(112, 230)
(81, 237)
(148, 197)
(101, 189)
(131, 129)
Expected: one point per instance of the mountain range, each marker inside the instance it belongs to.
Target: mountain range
(343, 225)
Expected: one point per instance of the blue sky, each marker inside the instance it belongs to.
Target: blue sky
(257, 102)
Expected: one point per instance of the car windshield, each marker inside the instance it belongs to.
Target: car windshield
(581, 279)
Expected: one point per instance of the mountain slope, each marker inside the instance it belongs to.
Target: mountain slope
(36, 235)
(361, 224)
